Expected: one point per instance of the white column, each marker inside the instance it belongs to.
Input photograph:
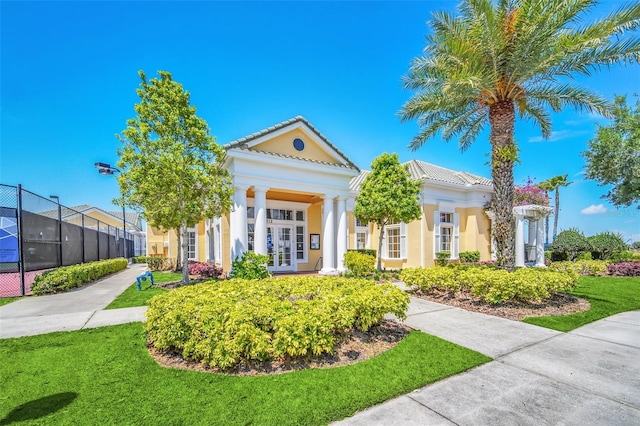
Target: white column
(260, 230)
(540, 243)
(532, 238)
(238, 225)
(328, 237)
(343, 233)
(519, 240)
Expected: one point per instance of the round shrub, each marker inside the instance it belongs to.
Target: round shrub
(569, 244)
(359, 264)
(224, 323)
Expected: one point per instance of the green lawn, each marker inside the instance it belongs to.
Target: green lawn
(6, 300)
(132, 297)
(106, 376)
(607, 295)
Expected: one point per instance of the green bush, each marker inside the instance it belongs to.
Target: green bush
(470, 256)
(227, 322)
(548, 254)
(251, 266)
(621, 256)
(569, 244)
(139, 259)
(493, 285)
(635, 257)
(370, 252)
(605, 244)
(68, 277)
(442, 258)
(443, 278)
(584, 256)
(582, 267)
(159, 263)
(359, 264)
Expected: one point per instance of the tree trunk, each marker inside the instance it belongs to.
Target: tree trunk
(557, 210)
(185, 254)
(179, 248)
(380, 248)
(503, 157)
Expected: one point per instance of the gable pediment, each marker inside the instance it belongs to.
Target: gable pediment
(294, 139)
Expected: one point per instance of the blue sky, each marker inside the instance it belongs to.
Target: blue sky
(69, 74)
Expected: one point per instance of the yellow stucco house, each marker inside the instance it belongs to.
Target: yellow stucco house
(294, 198)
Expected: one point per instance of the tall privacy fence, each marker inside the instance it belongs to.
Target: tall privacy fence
(37, 234)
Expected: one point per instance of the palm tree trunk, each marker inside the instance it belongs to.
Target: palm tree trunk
(503, 156)
(555, 217)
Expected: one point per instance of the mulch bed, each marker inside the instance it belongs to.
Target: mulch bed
(559, 304)
(356, 346)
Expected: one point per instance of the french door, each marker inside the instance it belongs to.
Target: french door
(280, 248)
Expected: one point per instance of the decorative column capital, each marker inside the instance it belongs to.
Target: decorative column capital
(328, 196)
(260, 188)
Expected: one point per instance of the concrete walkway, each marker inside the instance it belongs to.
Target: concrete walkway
(590, 376)
(74, 310)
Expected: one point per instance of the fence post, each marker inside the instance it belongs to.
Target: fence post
(59, 232)
(20, 242)
(84, 260)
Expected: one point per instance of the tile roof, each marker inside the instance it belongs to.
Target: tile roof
(241, 143)
(430, 172)
(422, 170)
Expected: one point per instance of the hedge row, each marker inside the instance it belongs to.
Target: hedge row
(582, 267)
(68, 277)
(493, 285)
(226, 322)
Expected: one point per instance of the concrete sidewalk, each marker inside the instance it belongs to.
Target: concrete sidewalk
(73, 310)
(589, 376)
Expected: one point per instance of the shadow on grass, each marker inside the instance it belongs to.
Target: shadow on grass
(39, 407)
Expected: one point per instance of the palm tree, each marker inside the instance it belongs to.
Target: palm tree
(500, 58)
(554, 184)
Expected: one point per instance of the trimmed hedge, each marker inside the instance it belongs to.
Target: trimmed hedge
(469, 256)
(227, 322)
(370, 252)
(69, 277)
(493, 285)
(582, 267)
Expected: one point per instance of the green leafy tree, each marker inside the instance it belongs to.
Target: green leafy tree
(607, 243)
(172, 168)
(569, 244)
(388, 193)
(613, 156)
(554, 184)
(499, 59)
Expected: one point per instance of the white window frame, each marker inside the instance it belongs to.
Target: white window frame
(455, 232)
(402, 235)
(195, 243)
(361, 229)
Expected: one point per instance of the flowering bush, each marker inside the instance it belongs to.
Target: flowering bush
(625, 269)
(529, 193)
(582, 267)
(204, 270)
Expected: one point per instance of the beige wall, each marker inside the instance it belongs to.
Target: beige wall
(283, 144)
(477, 232)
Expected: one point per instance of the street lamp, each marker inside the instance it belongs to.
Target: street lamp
(108, 170)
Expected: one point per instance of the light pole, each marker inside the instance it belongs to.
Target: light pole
(108, 170)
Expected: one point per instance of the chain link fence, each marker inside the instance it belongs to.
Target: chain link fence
(38, 234)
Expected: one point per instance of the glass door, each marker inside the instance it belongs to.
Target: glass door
(280, 248)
